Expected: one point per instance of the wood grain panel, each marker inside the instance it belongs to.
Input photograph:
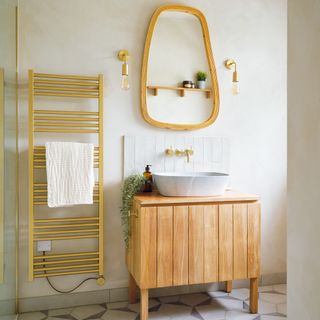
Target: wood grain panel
(196, 240)
(211, 243)
(254, 240)
(180, 245)
(165, 247)
(240, 241)
(225, 242)
(135, 244)
(254, 295)
(129, 253)
(147, 233)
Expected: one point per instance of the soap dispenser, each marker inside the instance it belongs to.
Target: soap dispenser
(148, 179)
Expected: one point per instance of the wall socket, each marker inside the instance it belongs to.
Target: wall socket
(44, 245)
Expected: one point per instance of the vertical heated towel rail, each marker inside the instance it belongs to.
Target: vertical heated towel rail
(42, 120)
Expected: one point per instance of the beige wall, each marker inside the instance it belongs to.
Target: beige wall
(83, 37)
(303, 160)
(8, 143)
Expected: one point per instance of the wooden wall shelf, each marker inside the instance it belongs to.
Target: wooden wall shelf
(180, 90)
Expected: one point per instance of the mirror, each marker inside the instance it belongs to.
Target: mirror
(177, 47)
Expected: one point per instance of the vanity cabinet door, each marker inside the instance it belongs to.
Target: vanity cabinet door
(211, 241)
(254, 234)
(164, 246)
(225, 242)
(239, 241)
(190, 244)
(180, 245)
(148, 250)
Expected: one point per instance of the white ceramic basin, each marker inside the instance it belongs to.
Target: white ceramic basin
(191, 183)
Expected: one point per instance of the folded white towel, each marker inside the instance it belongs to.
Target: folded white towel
(70, 176)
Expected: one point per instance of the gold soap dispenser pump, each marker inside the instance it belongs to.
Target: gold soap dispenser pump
(148, 179)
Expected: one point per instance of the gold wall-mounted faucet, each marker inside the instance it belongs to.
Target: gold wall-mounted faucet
(189, 153)
(169, 152)
(180, 153)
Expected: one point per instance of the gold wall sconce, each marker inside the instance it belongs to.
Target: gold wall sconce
(123, 56)
(232, 65)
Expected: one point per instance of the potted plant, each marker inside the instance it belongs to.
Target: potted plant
(201, 79)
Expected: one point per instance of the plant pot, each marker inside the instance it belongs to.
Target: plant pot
(201, 84)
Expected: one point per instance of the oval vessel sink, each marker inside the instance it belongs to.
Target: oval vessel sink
(191, 183)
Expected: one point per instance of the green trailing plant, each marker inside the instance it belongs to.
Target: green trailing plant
(201, 76)
(131, 186)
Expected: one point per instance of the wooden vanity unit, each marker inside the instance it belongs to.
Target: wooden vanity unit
(192, 240)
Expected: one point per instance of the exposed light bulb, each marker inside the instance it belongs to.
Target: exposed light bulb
(125, 77)
(235, 82)
(235, 88)
(125, 82)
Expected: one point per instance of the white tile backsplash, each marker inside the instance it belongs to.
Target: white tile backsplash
(210, 154)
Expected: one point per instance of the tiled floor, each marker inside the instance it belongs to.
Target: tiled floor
(215, 305)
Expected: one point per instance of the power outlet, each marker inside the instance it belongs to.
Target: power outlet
(44, 245)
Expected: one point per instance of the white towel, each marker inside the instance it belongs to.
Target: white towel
(70, 176)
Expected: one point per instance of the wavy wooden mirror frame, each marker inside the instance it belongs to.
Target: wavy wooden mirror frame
(213, 74)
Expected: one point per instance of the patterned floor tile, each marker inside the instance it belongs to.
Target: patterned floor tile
(273, 297)
(240, 315)
(266, 289)
(216, 294)
(282, 308)
(170, 299)
(117, 305)
(119, 315)
(241, 294)
(196, 314)
(282, 288)
(266, 307)
(194, 299)
(84, 312)
(32, 316)
(216, 305)
(211, 312)
(230, 304)
(176, 311)
(158, 316)
(59, 312)
(136, 306)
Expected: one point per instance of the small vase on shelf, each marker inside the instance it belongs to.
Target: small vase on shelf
(201, 79)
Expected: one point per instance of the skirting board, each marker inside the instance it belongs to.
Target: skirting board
(121, 294)
(7, 307)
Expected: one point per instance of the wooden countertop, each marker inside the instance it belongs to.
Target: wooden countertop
(155, 198)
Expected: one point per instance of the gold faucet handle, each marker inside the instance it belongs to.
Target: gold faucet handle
(179, 153)
(190, 151)
(169, 152)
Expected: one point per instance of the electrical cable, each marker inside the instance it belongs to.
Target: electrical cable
(66, 291)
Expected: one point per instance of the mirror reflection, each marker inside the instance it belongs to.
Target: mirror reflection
(177, 60)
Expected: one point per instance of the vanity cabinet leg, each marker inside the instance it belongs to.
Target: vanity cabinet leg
(132, 289)
(254, 283)
(144, 304)
(228, 286)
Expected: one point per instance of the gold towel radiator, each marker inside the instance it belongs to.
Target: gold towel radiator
(66, 228)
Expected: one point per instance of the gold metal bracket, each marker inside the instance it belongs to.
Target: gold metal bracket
(100, 281)
(123, 55)
(230, 63)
